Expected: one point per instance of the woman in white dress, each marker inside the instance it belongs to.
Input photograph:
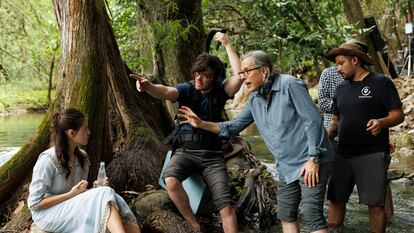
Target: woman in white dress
(58, 198)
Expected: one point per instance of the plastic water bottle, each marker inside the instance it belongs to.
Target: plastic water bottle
(101, 174)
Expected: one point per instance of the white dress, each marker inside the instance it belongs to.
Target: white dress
(85, 212)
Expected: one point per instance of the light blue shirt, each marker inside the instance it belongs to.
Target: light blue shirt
(289, 123)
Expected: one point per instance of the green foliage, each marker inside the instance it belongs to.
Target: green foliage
(29, 42)
(124, 18)
(21, 95)
(236, 183)
(291, 31)
(143, 26)
(29, 39)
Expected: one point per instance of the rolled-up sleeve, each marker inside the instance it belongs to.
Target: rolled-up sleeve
(235, 126)
(43, 173)
(309, 113)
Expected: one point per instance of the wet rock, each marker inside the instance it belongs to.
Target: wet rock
(394, 174)
(408, 103)
(405, 152)
(253, 189)
(165, 222)
(403, 139)
(394, 160)
(411, 176)
(151, 201)
(403, 181)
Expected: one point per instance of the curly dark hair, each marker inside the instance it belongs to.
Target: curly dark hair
(204, 61)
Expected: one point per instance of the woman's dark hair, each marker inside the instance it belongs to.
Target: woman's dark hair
(204, 61)
(61, 122)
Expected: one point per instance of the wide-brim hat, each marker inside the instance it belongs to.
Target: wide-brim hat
(231, 149)
(351, 48)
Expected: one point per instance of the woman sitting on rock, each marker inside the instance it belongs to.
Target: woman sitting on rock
(58, 198)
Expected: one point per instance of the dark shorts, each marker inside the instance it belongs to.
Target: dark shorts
(210, 165)
(289, 197)
(368, 172)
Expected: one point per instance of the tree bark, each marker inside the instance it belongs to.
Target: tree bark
(144, 120)
(160, 16)
(189, 13)
(49, 89)
(353, 13)
(410, 11)
(82, 75)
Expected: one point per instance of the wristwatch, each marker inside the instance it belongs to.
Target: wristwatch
(315, 159)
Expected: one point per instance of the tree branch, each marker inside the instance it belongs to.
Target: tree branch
(17, 59)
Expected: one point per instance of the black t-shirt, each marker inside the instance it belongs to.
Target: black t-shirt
(358, 102)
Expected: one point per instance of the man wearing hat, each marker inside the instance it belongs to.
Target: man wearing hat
(365, 105)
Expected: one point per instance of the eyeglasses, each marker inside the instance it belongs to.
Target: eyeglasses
(205, 75)
(247, 72)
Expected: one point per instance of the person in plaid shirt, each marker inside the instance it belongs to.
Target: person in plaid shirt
(329, 80)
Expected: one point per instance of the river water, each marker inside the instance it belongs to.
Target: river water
(15, 130)
(357, 215)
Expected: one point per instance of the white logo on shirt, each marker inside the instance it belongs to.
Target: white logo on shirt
(365, 91)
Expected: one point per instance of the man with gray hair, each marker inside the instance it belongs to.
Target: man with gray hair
(292, 129)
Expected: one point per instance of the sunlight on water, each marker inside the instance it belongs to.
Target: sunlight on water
(6, 153)
(15, 130)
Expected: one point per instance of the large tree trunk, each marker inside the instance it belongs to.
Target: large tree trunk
(353, 13)
(82, 76)
(144, 121)
(189, 13)
(49, 88)
(160, 17)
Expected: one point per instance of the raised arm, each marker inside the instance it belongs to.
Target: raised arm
(157, 91)
(233, 85)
